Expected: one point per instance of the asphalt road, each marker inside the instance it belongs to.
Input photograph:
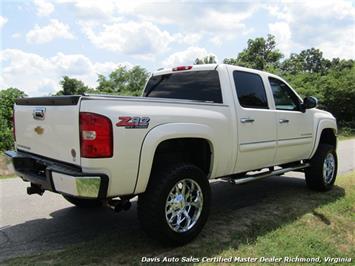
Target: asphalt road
(31, 224)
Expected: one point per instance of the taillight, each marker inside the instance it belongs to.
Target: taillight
(95, 136)
(13, 125)
(181, 68)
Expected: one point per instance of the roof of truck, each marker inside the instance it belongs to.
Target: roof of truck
(202, 67)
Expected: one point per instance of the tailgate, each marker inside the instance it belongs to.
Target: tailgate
(49, 126)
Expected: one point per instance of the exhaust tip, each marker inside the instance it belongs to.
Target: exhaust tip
(119, 205)
(34, 189)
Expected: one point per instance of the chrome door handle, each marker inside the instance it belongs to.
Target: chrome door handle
(283, 121)
(247, 120)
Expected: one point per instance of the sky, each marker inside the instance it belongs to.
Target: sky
(43, 40)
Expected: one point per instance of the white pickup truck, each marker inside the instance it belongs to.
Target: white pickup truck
(192, 124)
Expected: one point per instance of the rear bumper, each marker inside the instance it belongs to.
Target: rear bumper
(58, 177)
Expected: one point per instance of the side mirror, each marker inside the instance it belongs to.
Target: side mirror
(309, 102)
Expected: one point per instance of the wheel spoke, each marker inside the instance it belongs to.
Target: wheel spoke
(178, 222)
(192, 188)
(169, 211)
(329, 168)
(196, 203)
(188, 218)
(184, 205)
(172, 217)
(183, 189)
(170, 201)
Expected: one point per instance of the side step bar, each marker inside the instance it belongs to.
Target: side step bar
(267, 174)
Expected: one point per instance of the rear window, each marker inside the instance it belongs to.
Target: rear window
(195, 85)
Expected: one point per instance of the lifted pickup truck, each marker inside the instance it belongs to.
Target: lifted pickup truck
(192, 124)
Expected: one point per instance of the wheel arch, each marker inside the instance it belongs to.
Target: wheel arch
(326, 133)
(180, 137)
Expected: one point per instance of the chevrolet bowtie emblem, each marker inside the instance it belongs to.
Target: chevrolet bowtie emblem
(39, 130)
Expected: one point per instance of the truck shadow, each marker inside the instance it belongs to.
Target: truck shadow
(239, 214)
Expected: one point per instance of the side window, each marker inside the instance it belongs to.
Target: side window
(284, 97)
(250, 90)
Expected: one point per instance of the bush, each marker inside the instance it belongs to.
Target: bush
(6, 136)
(7, 100)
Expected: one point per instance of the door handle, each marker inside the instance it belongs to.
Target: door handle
(283, 121)
(247, 120)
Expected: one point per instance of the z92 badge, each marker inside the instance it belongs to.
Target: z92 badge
(133, 122)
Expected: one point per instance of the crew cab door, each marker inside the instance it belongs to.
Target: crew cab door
(294, 127)
(256, 127)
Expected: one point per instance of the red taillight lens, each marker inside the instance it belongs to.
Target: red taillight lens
(181, 68)
(13, 125)
(95, 136)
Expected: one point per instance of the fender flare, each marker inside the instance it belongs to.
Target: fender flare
(323, 124)
(161, 133)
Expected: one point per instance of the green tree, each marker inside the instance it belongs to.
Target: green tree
(124, 81)
(310, 60)
(7, 99)
(335, 90)
(6, 136)
(72, 86)
(339, 95)
(306, 84)
(260, 54)
(338, 64)
(292, 65)
(137, 77)
(209, 59)
(115, 82)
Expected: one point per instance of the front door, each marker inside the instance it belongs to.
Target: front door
(256, 123)
(294, 127)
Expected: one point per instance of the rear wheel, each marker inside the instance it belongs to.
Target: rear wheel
(175, 206)
(322, 173)
(84, 203)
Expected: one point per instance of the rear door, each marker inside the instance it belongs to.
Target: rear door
(294, 127)
(256, 127)
(49, 126)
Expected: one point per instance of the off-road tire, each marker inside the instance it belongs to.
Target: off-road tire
(152, 203)
(84, 203)
(315, 178)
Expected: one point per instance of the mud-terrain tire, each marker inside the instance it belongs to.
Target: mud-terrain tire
(322, 173)
(175, 206)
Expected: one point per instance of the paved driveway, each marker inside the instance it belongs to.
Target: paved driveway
(29, 224)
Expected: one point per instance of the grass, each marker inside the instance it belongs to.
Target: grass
(6, 176)
(345, 133)
(326, 231)
(346, 137)
(287, 220)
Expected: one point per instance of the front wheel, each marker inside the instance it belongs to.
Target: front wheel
(175, 206)
(322, 173)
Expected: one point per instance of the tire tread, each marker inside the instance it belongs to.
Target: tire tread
(314, 173)
(150, 217)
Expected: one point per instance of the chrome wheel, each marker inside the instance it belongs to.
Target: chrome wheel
(183, 205)
(329, 168)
